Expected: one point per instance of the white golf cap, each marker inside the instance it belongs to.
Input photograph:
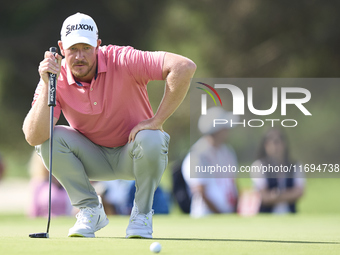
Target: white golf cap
(79, 28)
(222, 117)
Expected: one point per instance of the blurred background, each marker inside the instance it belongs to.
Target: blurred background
(244, 38)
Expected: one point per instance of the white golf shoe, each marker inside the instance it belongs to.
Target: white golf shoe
(89, 220)
(140, 225)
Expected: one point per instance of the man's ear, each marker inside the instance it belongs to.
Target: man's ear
(99, 42)
(60, 44)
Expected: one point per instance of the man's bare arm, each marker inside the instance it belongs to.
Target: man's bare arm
(177, 72)
(273, 197)
(36, 123)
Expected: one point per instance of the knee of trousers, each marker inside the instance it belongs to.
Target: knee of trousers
(152, 145)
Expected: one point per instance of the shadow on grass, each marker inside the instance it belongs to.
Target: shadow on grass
(228, 240)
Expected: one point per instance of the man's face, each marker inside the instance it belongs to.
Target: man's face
(82, 60)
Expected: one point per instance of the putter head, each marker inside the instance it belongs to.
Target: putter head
(39, 235)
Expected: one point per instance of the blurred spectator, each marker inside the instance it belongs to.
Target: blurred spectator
(118, 197)
(215, 193)
(115, 195)
(2, 168)
(180, 188)
(39, 187)
(279, 191)
(160, 201)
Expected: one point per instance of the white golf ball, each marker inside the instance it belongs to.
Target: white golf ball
(155, 247)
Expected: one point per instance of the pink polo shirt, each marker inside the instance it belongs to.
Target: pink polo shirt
(106, 110)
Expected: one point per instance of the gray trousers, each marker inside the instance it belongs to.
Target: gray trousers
(77, 160)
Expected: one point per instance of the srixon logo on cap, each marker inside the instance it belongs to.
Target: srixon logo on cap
(71, 28)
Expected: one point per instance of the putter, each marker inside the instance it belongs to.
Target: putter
(51, 104)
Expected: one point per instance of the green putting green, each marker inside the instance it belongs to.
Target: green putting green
(179, 234)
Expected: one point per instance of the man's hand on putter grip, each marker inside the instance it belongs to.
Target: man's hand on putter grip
(50, 65)
(145, 124)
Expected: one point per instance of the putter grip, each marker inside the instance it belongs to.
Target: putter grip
(52, 84)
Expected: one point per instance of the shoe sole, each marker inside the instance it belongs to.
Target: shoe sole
(78, 235)
(135, 236)
(138, 237)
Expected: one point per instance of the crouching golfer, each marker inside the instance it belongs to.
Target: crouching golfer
(113, 133)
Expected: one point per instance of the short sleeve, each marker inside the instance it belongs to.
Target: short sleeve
(145, 66)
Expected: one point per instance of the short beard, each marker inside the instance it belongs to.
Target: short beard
(79, 75)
